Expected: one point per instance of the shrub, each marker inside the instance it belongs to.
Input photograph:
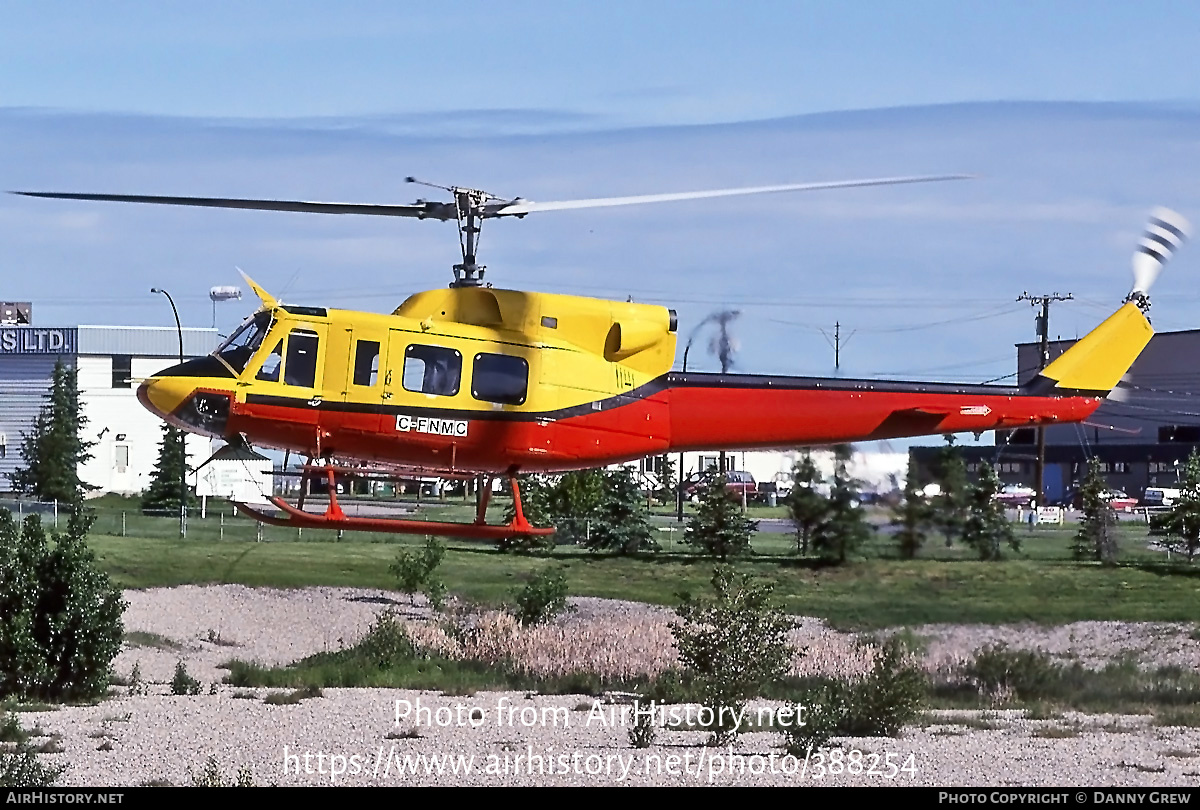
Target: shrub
(60, 616)
(817, 721)
(137, 687)
(183, 683)
(889, 697)
(878, 705)
(642, 732)
(19, 765)
(387, 642)
(415, 572)
(543, 598)
(735, 644)
(1019, 673)
(211, 776)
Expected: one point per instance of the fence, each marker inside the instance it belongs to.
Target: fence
(220, 520)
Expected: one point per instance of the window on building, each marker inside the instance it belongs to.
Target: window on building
(1120, 467)
(366, 362)
(1022, 436)
(122, 371)
(1179, 433)
(432, 370)
(500, 378)
(300, 367)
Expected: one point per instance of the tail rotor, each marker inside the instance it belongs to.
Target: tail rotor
(1164, 233)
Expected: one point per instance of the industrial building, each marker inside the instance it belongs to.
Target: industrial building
(111, 361)
(1142, 435)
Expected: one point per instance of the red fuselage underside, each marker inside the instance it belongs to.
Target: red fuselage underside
(700, 414)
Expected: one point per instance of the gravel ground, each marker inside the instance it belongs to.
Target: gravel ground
(354, 736)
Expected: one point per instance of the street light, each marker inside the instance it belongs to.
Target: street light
(182, 435)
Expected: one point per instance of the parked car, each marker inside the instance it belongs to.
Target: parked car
(1116, 498)
(1120, 501)
(1015, 495)
(1160, 496)
(777, 489)
(737, 482)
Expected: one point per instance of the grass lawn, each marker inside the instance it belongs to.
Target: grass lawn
(1039, 583)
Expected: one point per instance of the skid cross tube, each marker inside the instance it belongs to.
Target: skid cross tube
(336, 519)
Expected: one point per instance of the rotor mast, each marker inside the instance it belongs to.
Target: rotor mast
(468, 213)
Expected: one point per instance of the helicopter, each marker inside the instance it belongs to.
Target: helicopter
(474, 380)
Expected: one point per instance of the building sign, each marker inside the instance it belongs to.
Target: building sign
(239, 481)
(30, 340)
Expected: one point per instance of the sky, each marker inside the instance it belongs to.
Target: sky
(1076, 119)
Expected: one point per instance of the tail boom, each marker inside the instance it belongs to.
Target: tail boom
(717, 411)
(713, 411)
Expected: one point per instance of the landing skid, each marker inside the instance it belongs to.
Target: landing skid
(334, 518)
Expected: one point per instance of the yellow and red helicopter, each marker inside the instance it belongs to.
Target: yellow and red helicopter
(471, 379)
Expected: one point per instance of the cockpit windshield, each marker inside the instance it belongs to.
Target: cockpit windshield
(243, 343)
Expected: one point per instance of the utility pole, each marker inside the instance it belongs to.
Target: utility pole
(836, 343)
(1043, 326)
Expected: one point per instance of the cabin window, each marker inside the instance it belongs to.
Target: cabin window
(500, 378)
(122, 371)
(300, 369)
(270, 366)
(366, 362)
(432, 370)
(243, 343)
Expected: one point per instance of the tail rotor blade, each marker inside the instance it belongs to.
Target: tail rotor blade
(1164, 233)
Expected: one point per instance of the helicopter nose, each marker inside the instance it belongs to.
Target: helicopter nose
(163, 395)
(176, 400)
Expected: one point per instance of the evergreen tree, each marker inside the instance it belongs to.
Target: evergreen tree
(806, 506)
(55, 450)
(666, 479)
(912, 515)
(574, 502)
(164, 490)
(950, 505)
(986, 527)
(620, 524)
(535, 505)
(1183, 521)
(717, 527)
(844, 528)
(1097, 535)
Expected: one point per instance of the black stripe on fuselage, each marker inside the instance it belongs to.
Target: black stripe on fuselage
(1040, 387)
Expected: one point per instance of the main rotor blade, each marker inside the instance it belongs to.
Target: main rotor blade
(522, 207)
(427, 210)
